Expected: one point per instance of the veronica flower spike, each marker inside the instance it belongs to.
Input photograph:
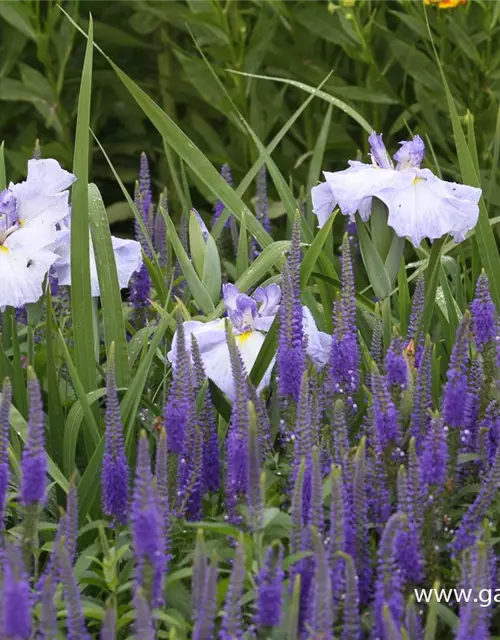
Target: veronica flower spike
(420, 204)
(251, 318)
(29, 213)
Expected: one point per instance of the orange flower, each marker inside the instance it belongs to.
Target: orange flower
(445, 4)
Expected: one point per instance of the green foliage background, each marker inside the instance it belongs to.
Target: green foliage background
(379, 56)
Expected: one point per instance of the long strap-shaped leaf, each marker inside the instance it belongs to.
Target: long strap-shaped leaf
(112, 313)
(488, 249)
(81, 299)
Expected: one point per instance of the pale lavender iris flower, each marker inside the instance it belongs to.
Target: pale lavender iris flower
(128, 258)
(420, 205)
(29, 214)
(250, 318)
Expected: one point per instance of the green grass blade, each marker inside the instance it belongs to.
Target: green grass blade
(81, 299)
(111, 301)
(254, 170)
(200, 294)
(56, 414)
(242, 257)
(3, 176)
(375, 268)
(72, 428)
(488, 249)
(92, 433)
(312, 254)
(317, 160)
(336, 102)
(404, 298)
(19, 377)
(266, 354)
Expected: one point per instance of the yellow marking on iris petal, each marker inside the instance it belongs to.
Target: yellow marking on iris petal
(416, 180)
(243, 337)
(20, 222)
(4, 249)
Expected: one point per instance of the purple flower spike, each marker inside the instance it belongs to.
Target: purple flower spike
(396, 365)
(34, 460)
(261, 207)
(389, 586)
(408, 542)
(179, 410)
(413, 622)
(207, 422)
(457, 380)
(108, 629)
(434, 457)
(254, 488)
(483, 313)
(352, 622)
(219, 206)
(422, 399)
(205, 613)
(160, 230)
(270, 589)
(231, 628)
(115, 471)
(143, 620)
(385, 412)
(320, 613)
(147, 526)
(141, 288)
(473, 615)
(291, 348)
(237, 448)
(417, 310)
(76, 620)
(344, 358)
(16, 607)
(48, 615)
(4, 445)
(162, 489)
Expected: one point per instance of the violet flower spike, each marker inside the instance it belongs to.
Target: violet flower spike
(4, 445)
(16, 596)
(457, 380)
(162, 492)
(108, 629)
(231, 627)
(291, 347)
(219, 206)
(115, 471)
(48, 614)
(434, 458)
(270, 589)
(320, 614)
(388, 587)
(352, 622)
(396, 365)
(147, 527)
(179, 409)
(422, 399)
(385, 412)
(143, 626)
(34, 459)
(254, 488)
(76, 629)
(473, 615)
(483, 313)
(205, 615)
(208, 424)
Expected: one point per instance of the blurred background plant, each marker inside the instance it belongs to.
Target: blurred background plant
(379, 55)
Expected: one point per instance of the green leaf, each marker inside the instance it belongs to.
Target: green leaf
(404, 298)
(242, 257)
(200, 294)
(111, 301)
(336, 102)
(81, 298)
(375, 268)
(56, 414)
(72, 428)
(212, 275)
(197, 244)
(3, 177)
(431, 624)
(317, 159)
(488, 249)
(266, 354)
(312, 254)
(91, 433)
